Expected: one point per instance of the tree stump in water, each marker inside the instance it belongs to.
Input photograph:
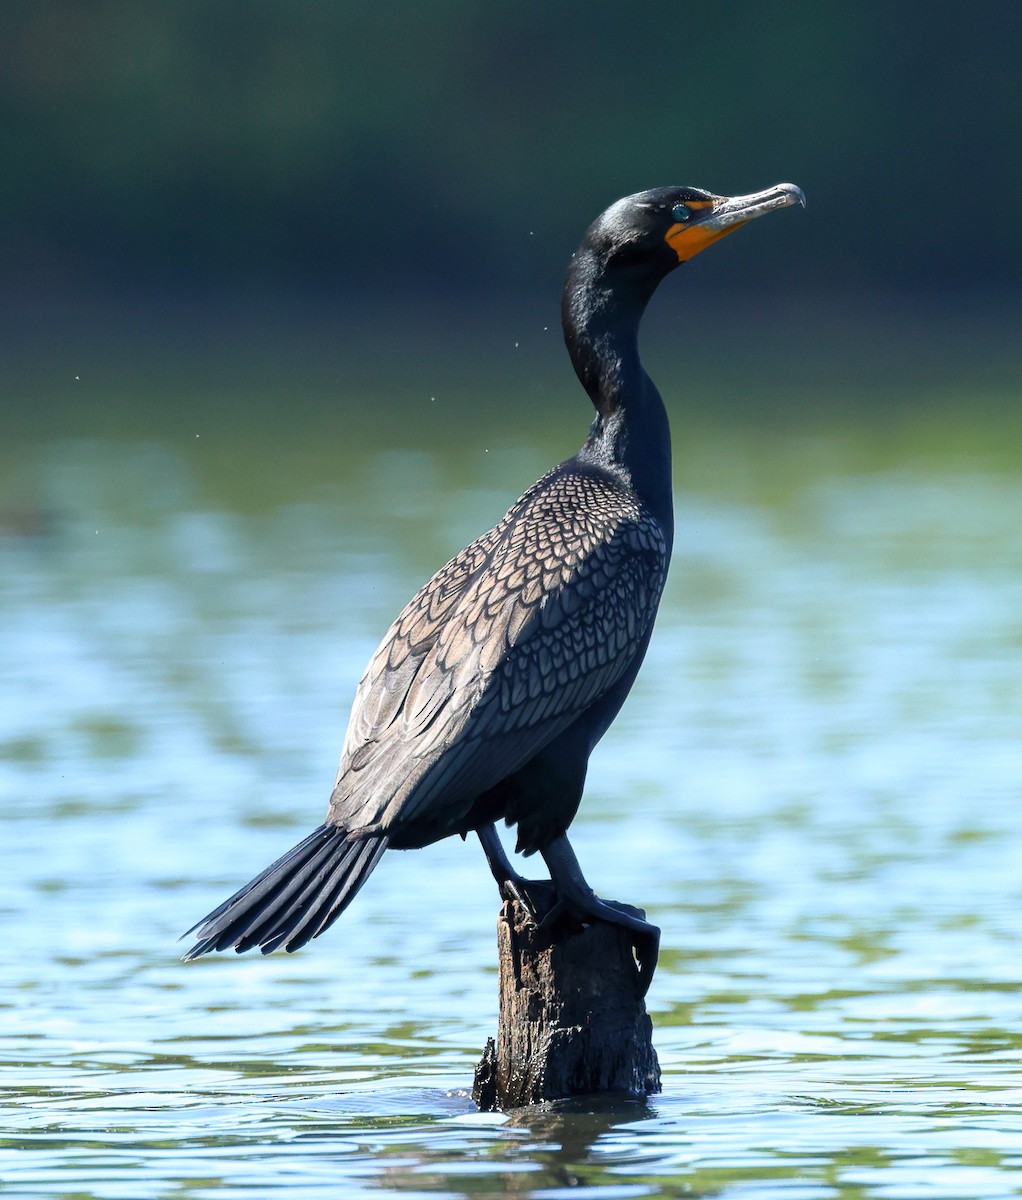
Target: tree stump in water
(571, 1019)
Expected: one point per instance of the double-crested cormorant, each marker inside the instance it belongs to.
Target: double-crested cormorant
(490, 690)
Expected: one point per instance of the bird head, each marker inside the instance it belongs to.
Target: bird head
(657, 230)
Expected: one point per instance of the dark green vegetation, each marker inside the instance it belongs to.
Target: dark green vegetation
(449, 146)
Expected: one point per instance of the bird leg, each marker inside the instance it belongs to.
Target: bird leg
(537, 896)
(579, 899)
(567, 895)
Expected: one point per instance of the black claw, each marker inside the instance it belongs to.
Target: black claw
(536, 896)
(646, 948)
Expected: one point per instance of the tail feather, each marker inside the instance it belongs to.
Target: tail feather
(295, 899)
(292, 895)
(304, 922)
(268, 881)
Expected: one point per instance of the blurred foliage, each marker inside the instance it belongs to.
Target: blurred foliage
(225, 143)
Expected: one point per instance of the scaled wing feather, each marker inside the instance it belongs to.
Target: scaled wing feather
(484, 667)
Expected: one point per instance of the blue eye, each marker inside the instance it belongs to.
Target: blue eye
(680, 213)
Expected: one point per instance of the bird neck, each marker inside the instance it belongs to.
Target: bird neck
(631, 436)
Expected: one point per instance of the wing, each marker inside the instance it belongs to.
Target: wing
(397, 661)
(500, 652)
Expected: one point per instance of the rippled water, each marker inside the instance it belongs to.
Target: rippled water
(814, 791)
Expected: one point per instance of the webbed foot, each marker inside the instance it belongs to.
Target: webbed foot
(581, 901)
(645, 936)
(567, 897)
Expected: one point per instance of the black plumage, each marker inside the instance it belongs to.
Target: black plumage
(495, 682)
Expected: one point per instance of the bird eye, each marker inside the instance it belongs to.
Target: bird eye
(680, 213)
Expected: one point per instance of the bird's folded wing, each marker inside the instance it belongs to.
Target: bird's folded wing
(498, 654)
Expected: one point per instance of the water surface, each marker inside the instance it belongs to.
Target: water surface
(814, 790)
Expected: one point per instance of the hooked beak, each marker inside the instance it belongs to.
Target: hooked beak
(725, 214)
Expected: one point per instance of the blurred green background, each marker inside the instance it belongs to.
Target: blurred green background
(456, 148)
(254, 202)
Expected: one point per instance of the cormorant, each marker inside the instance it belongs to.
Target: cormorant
(490, 690)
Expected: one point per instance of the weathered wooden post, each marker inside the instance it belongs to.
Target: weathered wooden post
(572, 1020)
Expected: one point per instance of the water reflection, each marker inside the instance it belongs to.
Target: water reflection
(814, 790)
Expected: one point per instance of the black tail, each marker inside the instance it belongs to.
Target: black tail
(295, 898)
